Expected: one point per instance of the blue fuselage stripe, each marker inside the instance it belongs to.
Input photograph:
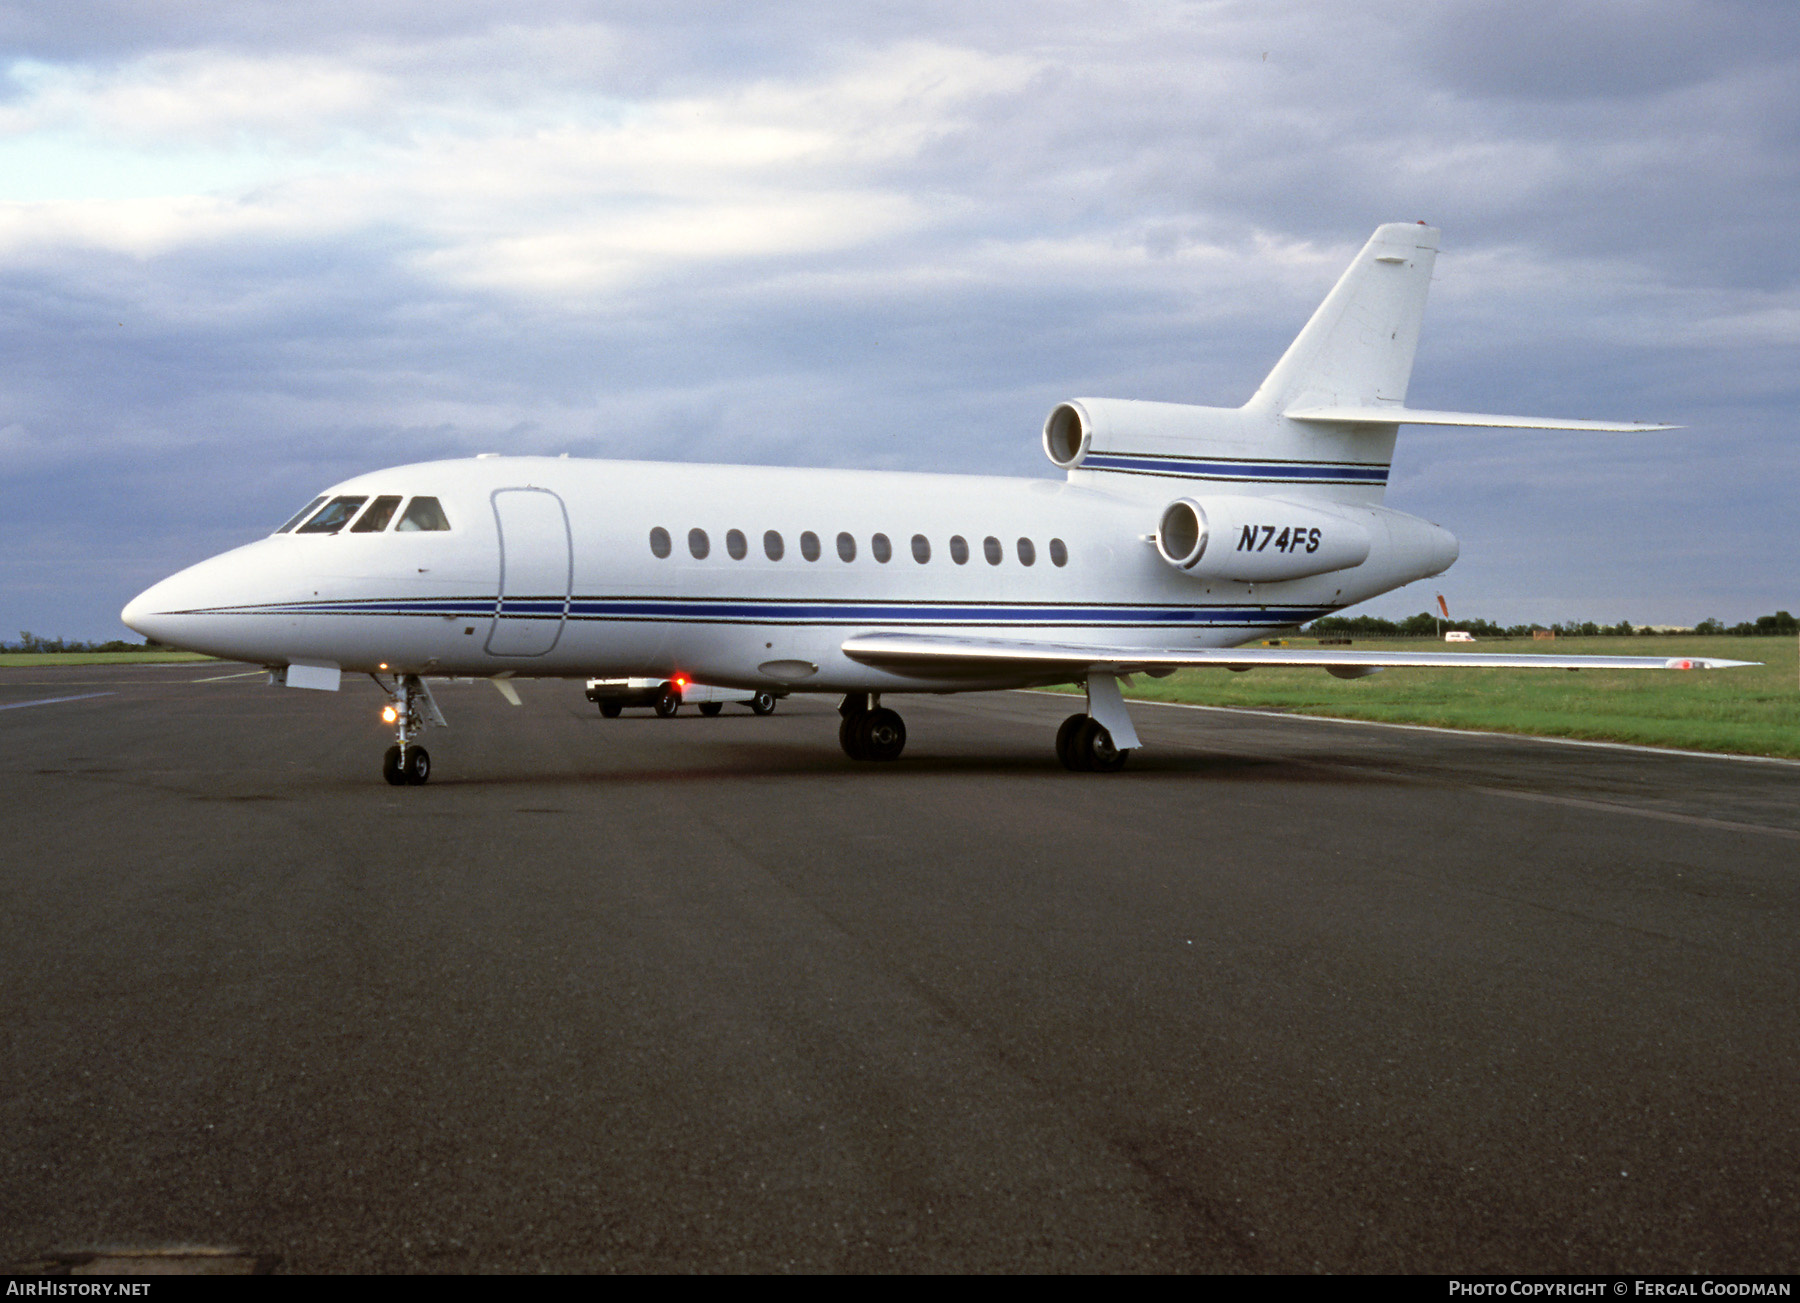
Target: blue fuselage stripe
(793, 611)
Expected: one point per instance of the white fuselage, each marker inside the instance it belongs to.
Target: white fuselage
(548, 570)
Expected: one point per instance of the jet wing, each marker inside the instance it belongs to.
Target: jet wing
(946, 654)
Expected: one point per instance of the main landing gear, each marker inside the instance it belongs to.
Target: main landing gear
(410, 710)
(870, 731)
(1084, 745)
(1098, 741)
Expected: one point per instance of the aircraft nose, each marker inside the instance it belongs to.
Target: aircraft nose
(179, 611)
(212, 606)
(141, 613)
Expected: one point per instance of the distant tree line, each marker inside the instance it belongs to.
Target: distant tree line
(1780, 622)
(1426, 625)
(30, 642)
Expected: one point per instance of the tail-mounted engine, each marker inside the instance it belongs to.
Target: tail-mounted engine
(1102, 426)
(1257, 540)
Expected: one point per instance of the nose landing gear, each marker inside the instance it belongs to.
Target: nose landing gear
(408, 768)
(410, 710)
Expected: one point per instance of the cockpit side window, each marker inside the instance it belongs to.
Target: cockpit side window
(422, 514)
(376, 518)
(303, 513)
(334, 517)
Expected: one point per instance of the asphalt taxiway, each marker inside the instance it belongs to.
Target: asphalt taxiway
(646, 994)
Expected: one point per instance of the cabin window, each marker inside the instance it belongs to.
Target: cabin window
(422, 514)
(880, 548)
(699, 544)
(990, 548)
(1059, 552)
(772, 545)
(959, 549)
(846, 547)
(303, 513)
(659, 542)
(735, 544)
(1027, 552)
(333, 518)
(809, 545)
(376, 518)
(921, 547)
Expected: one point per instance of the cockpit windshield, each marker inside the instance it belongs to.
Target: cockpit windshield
(333, 518)
(376, 518)
(302, 514)
(422, 513)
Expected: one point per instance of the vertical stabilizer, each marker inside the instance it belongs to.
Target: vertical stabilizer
(1357, 351)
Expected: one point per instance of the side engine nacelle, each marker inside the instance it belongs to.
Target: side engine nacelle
(1081, 426)
(1257, 540)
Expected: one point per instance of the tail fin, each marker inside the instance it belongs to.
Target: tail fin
(1321, 426)
(1357, 351)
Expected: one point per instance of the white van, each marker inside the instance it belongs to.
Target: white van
(1459, 635)
(667, 696)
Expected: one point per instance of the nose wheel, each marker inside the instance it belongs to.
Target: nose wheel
(408, 768)
(410, 710)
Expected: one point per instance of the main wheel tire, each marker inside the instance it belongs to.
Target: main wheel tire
(417, 766)
(1098, 753)
(390, 767)
(849, 734)
(610, 709)
(668, 703)
(711, 708)
(763, 703)
(882, 735)
(1065, 741)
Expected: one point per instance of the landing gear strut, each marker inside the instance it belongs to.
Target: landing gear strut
(410, 710)
(870, 731)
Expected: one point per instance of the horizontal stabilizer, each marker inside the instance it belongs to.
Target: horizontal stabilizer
(1409, 416)
(942, 654)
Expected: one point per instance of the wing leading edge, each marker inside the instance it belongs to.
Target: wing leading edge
(944, 655)
(1411, 416)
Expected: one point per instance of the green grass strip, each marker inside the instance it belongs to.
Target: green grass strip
(1751, 711)
(26, 659)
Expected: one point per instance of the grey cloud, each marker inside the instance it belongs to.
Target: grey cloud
(1583, 50)
(1587, 232)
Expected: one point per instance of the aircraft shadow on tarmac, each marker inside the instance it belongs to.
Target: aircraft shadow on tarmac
(777, 762)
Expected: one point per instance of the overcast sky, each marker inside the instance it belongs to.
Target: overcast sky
(249, 250)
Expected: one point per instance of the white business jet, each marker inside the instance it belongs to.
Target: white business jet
(1177, 534)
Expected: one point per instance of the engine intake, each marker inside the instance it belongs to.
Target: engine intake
(1257, 540)
(1067, 434)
